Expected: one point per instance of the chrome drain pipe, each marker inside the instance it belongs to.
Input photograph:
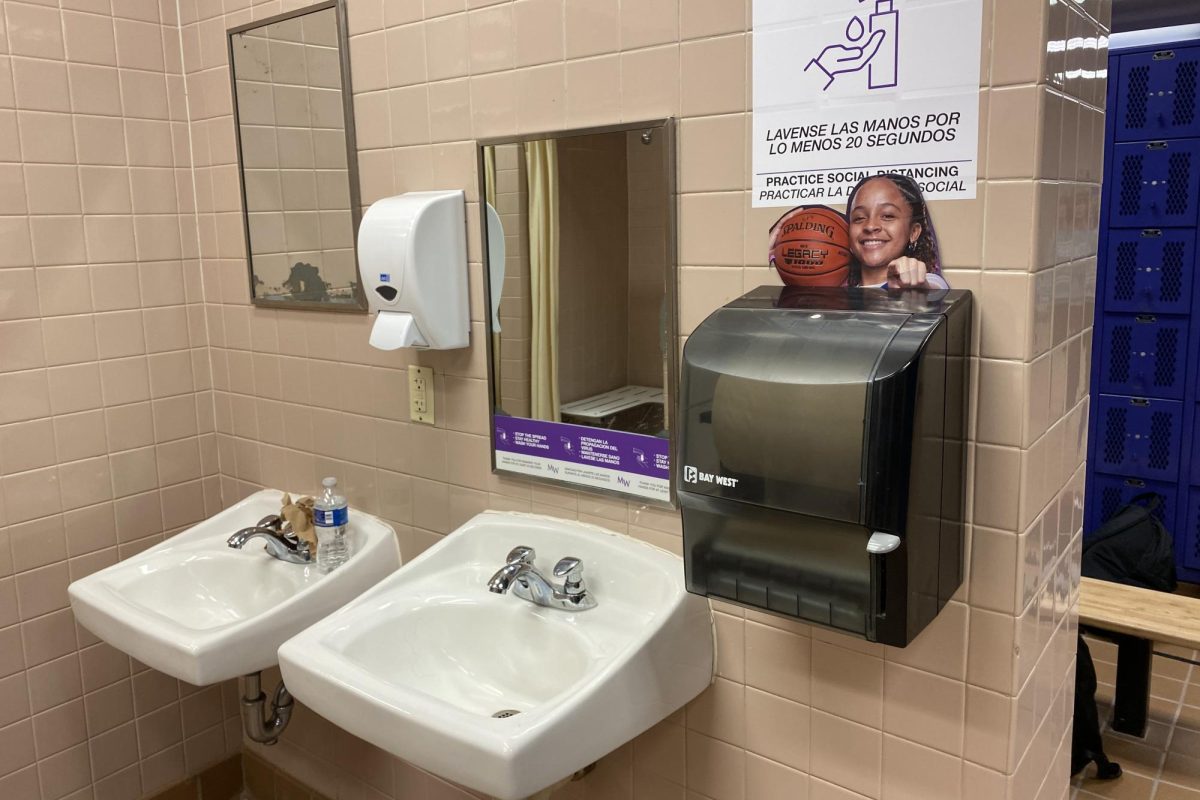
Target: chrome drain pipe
(259, 728)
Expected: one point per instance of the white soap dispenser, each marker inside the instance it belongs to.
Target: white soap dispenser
(412, 257)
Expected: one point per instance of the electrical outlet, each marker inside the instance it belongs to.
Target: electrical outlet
(420, 394)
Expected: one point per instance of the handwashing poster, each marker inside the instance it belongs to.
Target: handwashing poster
(600, 458)
(847, 89)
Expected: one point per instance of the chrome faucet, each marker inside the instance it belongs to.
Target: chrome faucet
(531, 585)
(280, 544)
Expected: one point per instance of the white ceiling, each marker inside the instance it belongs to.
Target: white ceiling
(1132, 15)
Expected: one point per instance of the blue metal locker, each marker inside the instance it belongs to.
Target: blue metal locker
(1144, 355)
(1155, 183)
(1110, 492)
(1156, 94)
(1150, 271)
(1138, 436)
(1144, 424)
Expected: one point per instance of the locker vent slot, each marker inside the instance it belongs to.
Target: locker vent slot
(1178, 172)
(1139, 86)
(1118, 361)
(1110, 501)
(1114, 436)
(1131, 185)
(1123, 283)
(1160, 440)
(1161, 512)
(1172, 272)
(1196, 539)
(1195, 528)
(1185, 93)
(1166, 346)
(1196, 536)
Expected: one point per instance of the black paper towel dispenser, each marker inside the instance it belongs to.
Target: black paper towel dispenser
(822, 455)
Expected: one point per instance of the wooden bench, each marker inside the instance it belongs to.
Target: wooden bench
(1135, 619)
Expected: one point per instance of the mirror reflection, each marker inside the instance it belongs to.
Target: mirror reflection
(578, 232)
(296, 146)
(581, 318)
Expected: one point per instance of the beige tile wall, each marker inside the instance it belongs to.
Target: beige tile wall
(106, 426)
(978, 707)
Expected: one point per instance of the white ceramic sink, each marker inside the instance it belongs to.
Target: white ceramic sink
(421, 663)
(198, 610)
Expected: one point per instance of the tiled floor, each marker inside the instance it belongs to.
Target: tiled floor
(1166, 764)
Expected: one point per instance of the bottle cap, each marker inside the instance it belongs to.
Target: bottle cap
(329, 483)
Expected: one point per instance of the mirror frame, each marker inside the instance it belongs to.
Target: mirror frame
(667, 126)
(343, 42)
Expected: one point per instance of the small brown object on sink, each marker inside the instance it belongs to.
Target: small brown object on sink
(298, 515)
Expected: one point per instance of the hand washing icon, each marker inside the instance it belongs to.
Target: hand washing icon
(879, 54)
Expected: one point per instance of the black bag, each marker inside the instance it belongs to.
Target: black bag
(1132, 547)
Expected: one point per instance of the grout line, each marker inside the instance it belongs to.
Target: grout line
(92, 310)
(195, 214)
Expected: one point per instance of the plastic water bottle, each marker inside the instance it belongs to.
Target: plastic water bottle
(330, 515)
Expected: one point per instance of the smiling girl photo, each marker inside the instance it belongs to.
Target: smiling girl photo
(892, 240)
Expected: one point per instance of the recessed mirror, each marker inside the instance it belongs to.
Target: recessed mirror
(297, 158)
(580, 260)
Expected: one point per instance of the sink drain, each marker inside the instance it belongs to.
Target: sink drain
(505, 713)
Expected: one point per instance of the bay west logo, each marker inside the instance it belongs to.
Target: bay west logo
(693, 475)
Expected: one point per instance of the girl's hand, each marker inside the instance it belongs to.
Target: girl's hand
(907, 273)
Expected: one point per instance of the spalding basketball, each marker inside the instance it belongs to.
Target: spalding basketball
(810, 246)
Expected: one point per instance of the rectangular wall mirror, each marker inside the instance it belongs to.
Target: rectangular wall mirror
(297, 158)
(580, 261)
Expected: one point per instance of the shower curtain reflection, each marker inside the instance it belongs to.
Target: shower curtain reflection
(489, 188)
(541, 166)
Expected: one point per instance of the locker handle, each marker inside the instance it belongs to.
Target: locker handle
(1156, 145)
(1138, 401)
(1146, 319)
(1134, 483)
(1151, 233)
(1163, 55)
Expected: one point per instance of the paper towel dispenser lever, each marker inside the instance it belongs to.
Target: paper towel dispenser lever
(822, 455)
(412, 257)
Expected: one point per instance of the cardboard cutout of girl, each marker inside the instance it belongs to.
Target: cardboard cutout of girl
(885, 239)
(891, 235)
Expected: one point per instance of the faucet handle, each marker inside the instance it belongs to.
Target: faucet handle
(570, 569)
(270, 521)
(293, 539)
(521, 555)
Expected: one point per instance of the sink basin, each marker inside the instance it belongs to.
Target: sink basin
(198, 610)
(492, 691)
(424, 647)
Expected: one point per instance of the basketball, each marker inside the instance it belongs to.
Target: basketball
(810, 246)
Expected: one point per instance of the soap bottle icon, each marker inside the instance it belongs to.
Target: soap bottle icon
(881, 73)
